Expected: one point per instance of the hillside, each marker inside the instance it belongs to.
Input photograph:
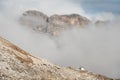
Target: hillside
(17, 64)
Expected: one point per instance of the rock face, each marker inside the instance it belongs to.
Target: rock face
(63, 22)
(16, 64)
(35, 19)
(53, 24)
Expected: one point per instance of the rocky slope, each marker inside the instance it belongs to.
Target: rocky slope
(53, 24)
(16, 64)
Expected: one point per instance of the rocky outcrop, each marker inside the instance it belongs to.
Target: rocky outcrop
(63, 22)
(53, 24)
(34, 19)
(17, 64)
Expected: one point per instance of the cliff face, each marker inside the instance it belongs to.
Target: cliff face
(16, 64)
(63, 22)
(53, 24)
(34, 19)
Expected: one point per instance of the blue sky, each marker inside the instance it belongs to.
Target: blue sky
(96, 6)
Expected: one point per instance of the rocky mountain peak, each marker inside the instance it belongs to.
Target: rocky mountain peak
(54, 24)
(35, 20)
(35, 13)
(71, 20)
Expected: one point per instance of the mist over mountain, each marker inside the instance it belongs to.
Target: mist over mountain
(54, 24)
(88, 40)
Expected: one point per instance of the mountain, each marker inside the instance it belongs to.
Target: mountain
(34, 19)
(54, 24)
(17, 64)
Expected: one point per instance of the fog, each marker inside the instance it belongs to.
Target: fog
(95, 47)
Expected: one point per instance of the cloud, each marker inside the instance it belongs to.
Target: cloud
(95, 48)
(48, 7)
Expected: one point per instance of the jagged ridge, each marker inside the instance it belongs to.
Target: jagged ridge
(53, 24)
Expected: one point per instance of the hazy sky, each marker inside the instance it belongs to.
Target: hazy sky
(95, 6)
(90, 6)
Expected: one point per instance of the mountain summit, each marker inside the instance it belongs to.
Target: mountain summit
(54, 24)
